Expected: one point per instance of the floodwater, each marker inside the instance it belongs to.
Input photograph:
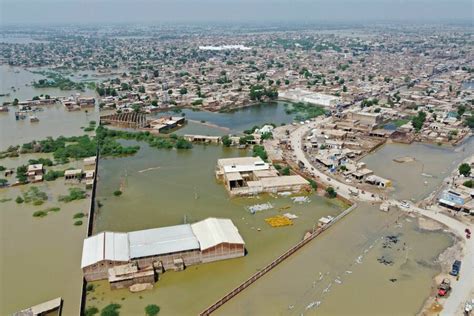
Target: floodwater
(40, 256)
(170, 187)
(17, 82)
(54, 121)
(339, 273)
(417, 179)
(241, 119)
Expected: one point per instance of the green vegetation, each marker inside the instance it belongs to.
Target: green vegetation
(19, 200)
(331, 193)
(226, 141)
(469, 184)
(5, 200)
(21, 174)
(246, 139)
(369, 102)
(152, 310)
(78, 215)
(52, 175)
(117, 193)
(418, 120)
(110, 310)
(259, 151)
(77, 223)
(45, 212)
(304, 111)
(35, 196)
(2, 168)
(74, 194)
(313, 184)
(91, 127)
(40, 214)
(464, 169)
(55, 80)
(109, 147)
(399, 122)
(44, 161)
(91, 310)
(3, 182)
(285, 171)
(257, 92)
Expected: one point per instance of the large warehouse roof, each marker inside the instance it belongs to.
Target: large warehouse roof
(157, 241)
(105, 246)
(213, 231)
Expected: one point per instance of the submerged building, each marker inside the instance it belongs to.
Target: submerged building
(251, 175)
(106, 254)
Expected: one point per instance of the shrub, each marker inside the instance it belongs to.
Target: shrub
(110, 310)
(469, 184)
(286, 171)
(74, 194)
(78, 215)
(77, 223)
(152, 310)
(91, 311)
(313, 184)
(465, 169)
(40, 214)
(19, 200)
(117, 193)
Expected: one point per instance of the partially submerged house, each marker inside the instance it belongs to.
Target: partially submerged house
(251, 175)
(158, 249)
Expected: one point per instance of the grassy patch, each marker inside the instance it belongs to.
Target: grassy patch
(74, 194)
(5, 200)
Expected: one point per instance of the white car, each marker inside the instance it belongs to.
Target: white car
(405, 204)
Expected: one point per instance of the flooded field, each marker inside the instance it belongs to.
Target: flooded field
(417, 179)
(339, 273)
(40, 255)
(170, 187)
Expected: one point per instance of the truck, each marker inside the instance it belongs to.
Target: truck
(456, 268)
(444, 287)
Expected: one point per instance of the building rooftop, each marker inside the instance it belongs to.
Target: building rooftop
(214, 231)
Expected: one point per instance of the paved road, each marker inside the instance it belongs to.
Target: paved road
(342, 189)
(461, 289)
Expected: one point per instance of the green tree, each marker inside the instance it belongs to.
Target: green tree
(183, 91)
(226, 141)
(330, 192)
(91, 311)
(152, 310)
(465, 169)
(15, 102)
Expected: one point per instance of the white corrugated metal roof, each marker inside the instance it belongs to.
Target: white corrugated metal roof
(162, 240)
(105, 246)
(213, 231)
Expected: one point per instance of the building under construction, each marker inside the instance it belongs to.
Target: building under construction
(127, 258)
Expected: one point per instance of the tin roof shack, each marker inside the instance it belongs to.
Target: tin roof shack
(456, 200)
(378, 181)
(35, 172)
(251, 175)
(86, 102)
(172, 247)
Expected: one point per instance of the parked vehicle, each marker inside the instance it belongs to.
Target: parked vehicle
(456, 268)
(405, 204)
(444, 287)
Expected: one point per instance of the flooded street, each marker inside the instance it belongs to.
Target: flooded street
(417, 179)
(339, 274)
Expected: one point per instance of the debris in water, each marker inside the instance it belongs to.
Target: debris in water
(260, 207)
(290, 216)
(385, 261)
(393, 280)
(301, 199)
(338, 281)
(313, 304)
(284, 193)
(149, 169)
(359, 259)
(348, 272)
(327, 289)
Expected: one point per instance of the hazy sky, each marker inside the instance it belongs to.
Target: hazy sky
(96, 11)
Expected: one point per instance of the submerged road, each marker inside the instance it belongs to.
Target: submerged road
(461, 289)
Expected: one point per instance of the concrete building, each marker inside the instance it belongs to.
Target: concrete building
(251, 175)
(163, 248)
(35, 172)
(301, 95)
